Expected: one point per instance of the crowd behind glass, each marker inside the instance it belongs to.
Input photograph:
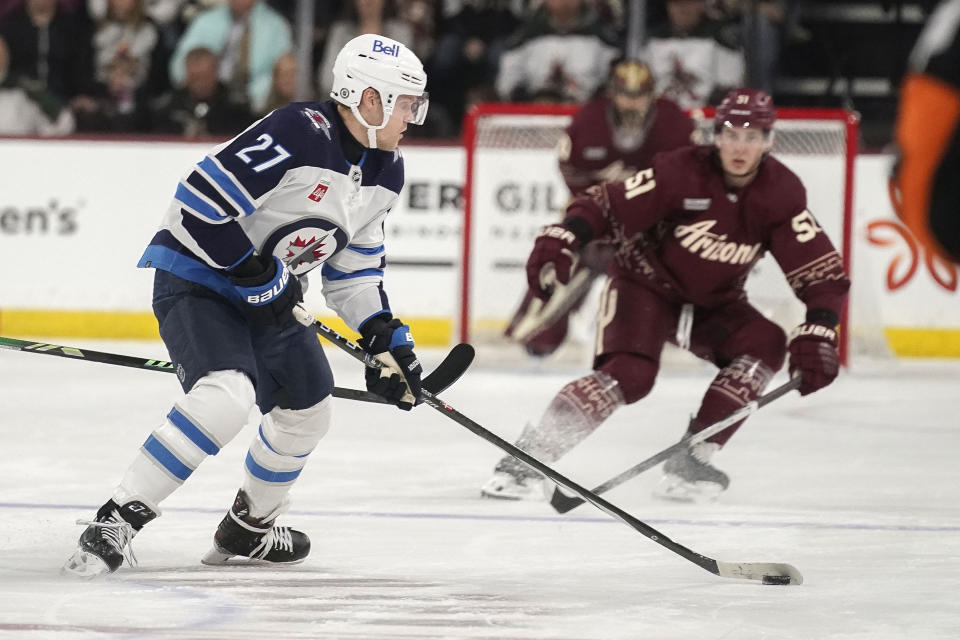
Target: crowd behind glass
(207, 68)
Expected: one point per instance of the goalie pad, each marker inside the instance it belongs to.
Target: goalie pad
(538, 319)
(542, 326)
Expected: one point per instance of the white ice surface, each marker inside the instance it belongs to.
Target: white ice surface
(858, 486)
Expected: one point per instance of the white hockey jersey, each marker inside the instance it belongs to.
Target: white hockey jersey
(284, 186)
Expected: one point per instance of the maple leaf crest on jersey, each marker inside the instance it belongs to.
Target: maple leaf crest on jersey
(305, 245)
(306, 248)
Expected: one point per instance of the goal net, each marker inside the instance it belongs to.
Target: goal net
(513, 187)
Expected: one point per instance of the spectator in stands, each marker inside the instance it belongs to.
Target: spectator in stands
(21, 115)
(561, 52)
(190, 9)
(202, 107)
(248, 37)
(467, 55)
(162, 12)
(50, 50)
(693, 65)
(421, 16)
(360, 17)
(757, 30)
(126, 38)
(165, 15)
(283, 89)
(119, 107)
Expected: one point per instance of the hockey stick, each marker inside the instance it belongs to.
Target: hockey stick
(448, 371)
(767, 572)
(563, 502)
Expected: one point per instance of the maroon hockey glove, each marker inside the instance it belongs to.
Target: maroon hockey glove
(813, 356)
(552, 260)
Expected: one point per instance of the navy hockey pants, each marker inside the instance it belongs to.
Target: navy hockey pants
(204, 332)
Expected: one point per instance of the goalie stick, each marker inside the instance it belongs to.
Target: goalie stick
(440, 379)
(540, 314)
(766, 572)
(564, 503)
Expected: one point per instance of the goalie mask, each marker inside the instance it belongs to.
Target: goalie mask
(388, 67)
(630, 88)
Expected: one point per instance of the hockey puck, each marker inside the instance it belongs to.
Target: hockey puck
(776, 579)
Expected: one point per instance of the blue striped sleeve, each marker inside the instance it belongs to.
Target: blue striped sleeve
(193, 202)
(228, 184)
(334, 274)
(367, 251)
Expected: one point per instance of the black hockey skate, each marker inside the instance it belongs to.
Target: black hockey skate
(259, 540)
(689, 476)
(105, 543)
(514, 480)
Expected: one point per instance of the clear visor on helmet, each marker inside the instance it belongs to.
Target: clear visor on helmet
(412, 109)
(741, 132)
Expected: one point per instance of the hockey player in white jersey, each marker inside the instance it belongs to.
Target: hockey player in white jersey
(307, 186)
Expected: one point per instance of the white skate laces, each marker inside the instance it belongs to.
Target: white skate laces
(119, 533)
(276, 538)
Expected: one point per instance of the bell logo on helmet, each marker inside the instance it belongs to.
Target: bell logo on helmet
(390, 50)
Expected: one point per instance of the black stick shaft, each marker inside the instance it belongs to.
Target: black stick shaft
(700, 560)
(144, 363)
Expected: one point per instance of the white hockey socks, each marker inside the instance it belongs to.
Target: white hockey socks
(200, 424)
(279, 452)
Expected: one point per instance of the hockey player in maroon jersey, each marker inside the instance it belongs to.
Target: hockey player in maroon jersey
(687, 230)
(610, 138)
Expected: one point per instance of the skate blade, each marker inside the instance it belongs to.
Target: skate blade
(85, 565)
(536, 493)
(498, 496)
(675, 489)
(217, 558)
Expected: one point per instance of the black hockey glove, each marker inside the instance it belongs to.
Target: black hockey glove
(268, 290)
(390, 341)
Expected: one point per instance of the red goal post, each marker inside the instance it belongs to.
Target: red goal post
(513, 186)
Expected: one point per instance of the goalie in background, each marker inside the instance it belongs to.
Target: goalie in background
(687, 231)
(928, 136)
(610, 138)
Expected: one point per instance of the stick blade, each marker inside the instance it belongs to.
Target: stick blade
(454, 365)
(562, 503)
(779, 573)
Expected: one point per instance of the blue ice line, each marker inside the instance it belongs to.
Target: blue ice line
(325, 513)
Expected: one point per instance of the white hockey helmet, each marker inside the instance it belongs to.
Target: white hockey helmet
(388, 67)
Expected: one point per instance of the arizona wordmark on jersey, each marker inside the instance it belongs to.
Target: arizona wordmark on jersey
(679, 226)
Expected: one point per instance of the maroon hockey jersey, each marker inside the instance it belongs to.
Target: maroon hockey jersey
(679, 227)
(592, 153)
